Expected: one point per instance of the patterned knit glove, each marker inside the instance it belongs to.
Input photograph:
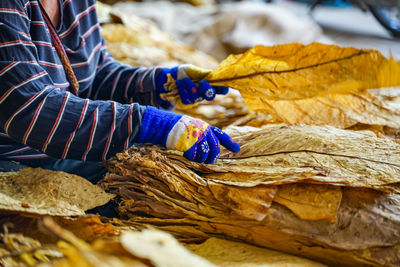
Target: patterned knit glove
(198, 140)
(185, 77)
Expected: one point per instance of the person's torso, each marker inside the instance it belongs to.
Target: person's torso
(79, 33)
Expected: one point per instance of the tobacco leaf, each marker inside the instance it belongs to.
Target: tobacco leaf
(161, 249)
(281, 154)
(251, 202)
(234, 254)
(222, 111)
(41, 191)
(319, 210)
(364, 234)
(310, 202)
(146, 248)
(19, 250)
(139, 42)
(87, 227)
(79, 253)
(339, 110)
(296, 71)
(186, 189)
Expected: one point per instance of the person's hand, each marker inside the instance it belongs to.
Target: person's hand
(198, 140)
(189, 81)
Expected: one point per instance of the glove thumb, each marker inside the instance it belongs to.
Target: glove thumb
(196, 73)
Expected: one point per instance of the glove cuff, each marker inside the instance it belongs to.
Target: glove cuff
(156, 125)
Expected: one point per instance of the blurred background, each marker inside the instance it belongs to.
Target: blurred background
(221, 27)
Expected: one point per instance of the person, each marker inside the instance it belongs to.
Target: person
(66, 104)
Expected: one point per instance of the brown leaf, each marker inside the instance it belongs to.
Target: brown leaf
(224, 110)
(249, 202)
(310, 202)
(286, 154)
(320, 174)
(17, 249)
(365, 233)
(43, 192)
(88, 227)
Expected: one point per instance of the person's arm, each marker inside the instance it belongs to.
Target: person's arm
(124, 84)
(36, 113)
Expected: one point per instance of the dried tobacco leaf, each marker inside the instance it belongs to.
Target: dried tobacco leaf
(364, 233)
(348, 225)
(222, 111)
(17, 249)
(122, 34)
(79, 253)
(234, 254)
(296, 71)
(87, 227)
(137, 41)
(146, 248)
(41, 191)
(161, 249)
(339, 110)
(285, 154)
(310, 202)
(251, 202)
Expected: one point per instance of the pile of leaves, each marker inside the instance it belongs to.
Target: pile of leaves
(139, 42)
(314, 84)
(317, 175)
(44, 222)
(317, 190)
(130, 248)
(320, 192)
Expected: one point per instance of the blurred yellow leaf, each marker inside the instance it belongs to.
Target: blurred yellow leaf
(235, 254)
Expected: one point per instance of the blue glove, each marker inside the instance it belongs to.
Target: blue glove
(197, 139)
(189, 92)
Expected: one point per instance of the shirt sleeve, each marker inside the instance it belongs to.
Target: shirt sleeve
(124, 84)
(36, 113)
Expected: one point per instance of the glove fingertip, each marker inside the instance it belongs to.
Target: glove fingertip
(221, 90)
(234, 147)
(206, 90)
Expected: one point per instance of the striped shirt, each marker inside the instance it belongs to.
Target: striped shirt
(38, 114)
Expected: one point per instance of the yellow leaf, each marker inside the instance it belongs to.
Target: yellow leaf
(339, 110)
(346, 175)
(161, 249)
(234, 254)
(311, 202)
(296, 71)
(250, 202)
